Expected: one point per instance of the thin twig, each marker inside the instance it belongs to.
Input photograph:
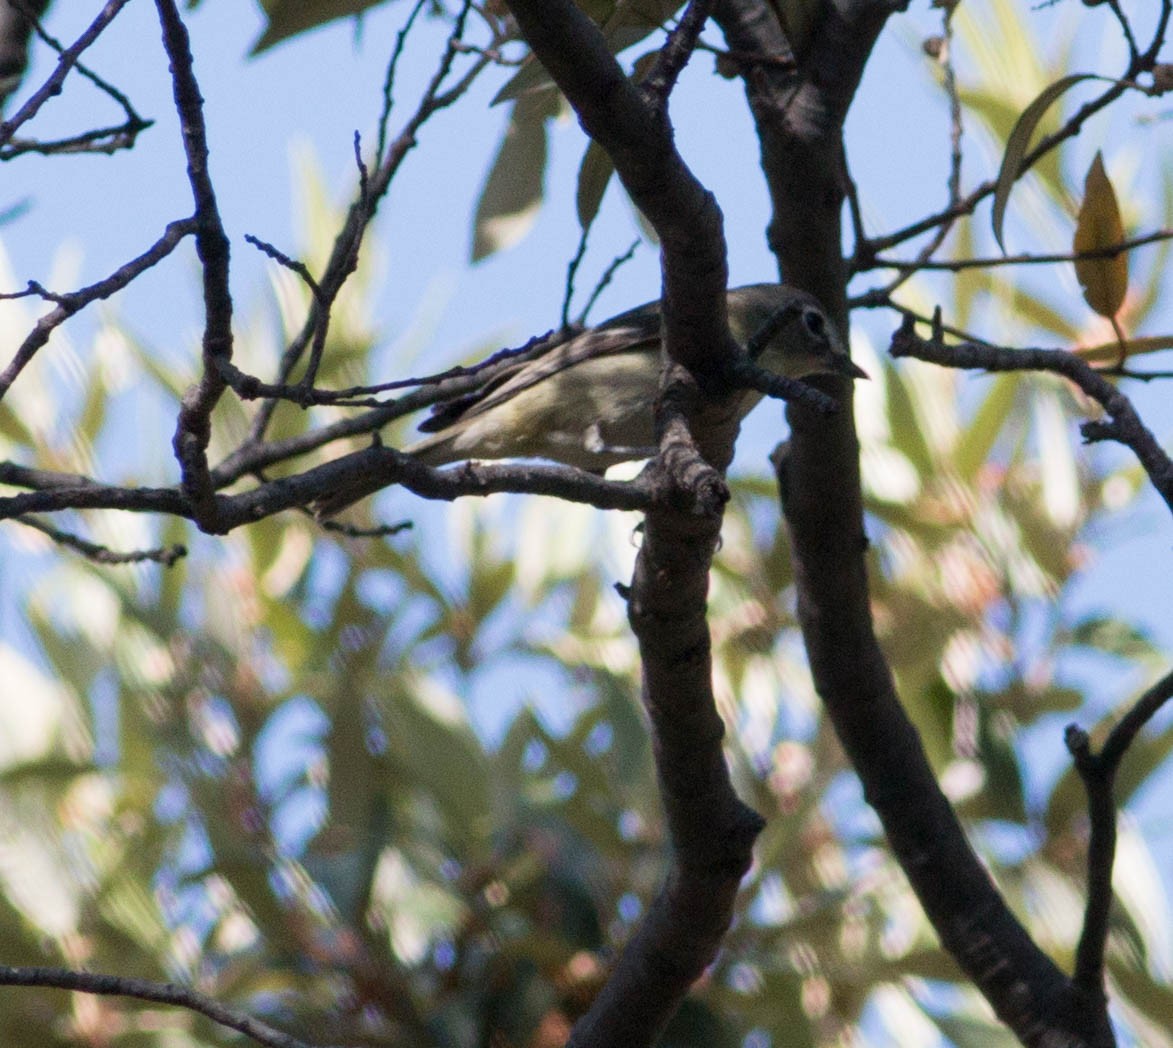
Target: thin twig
(1125, 28)
(1025, 259)
(248, 387)
(362, 211)
(749, 375)
(99, 140)
(70, 303)
(1141, 63)
(956, 134)
(571, 273)
(292, 264)
(608, 275)
(389, 78)
(165, 555)
(353, 531)
(67, 60)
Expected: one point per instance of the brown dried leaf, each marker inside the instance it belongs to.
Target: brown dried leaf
(1104, 280)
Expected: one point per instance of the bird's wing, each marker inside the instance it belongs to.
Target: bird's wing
(627, 332)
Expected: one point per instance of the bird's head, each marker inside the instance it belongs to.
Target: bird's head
(788, 332)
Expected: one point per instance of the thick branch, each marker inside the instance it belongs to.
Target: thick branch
(362, 473)
(799, 118)
(346, 478)
(712, 832)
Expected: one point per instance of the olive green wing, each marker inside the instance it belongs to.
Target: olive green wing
(628, 332)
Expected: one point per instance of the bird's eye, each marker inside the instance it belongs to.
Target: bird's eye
(814, 322)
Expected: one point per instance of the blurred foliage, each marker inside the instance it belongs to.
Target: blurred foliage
(400, 792)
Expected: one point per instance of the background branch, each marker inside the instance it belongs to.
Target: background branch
(158, 993)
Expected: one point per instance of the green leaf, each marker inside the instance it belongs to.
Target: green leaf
(1019, 141)
(623, 25)
(974, 1031)
(287, 18)
(593, 176)
(532, 76)
(512, 195)
(1143, 992)
(1002, 796)
(1109, 352)
(974, 447)
(1114, 637)
(907, 435)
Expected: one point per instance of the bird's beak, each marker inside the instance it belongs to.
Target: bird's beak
(844, 365)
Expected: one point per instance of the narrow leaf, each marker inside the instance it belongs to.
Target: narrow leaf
(623, 24)
(1019, 140)
(513, 192)
(287, 18)
(1109, 352)
(530, 77)
(593, 176)
(1104, 280)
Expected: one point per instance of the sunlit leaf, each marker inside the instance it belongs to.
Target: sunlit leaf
(1114, 637)
(1151, 997)
(1109, 352)
(973, 449)
(974, 1031)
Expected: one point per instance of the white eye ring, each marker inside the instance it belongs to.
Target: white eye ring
(814, 322)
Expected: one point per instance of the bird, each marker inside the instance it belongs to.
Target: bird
(587, 399)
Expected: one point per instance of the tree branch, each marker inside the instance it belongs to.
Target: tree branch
(72, 302)
(799, 118)
(193, 428)
(632, 125)
(1139, 63)
(711, 831)
(66, 60)
(1123, 426)
(165, 555)
(373, 187)
(1098, 774)
(158, 993)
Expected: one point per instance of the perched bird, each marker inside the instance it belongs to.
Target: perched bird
(587, 400)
